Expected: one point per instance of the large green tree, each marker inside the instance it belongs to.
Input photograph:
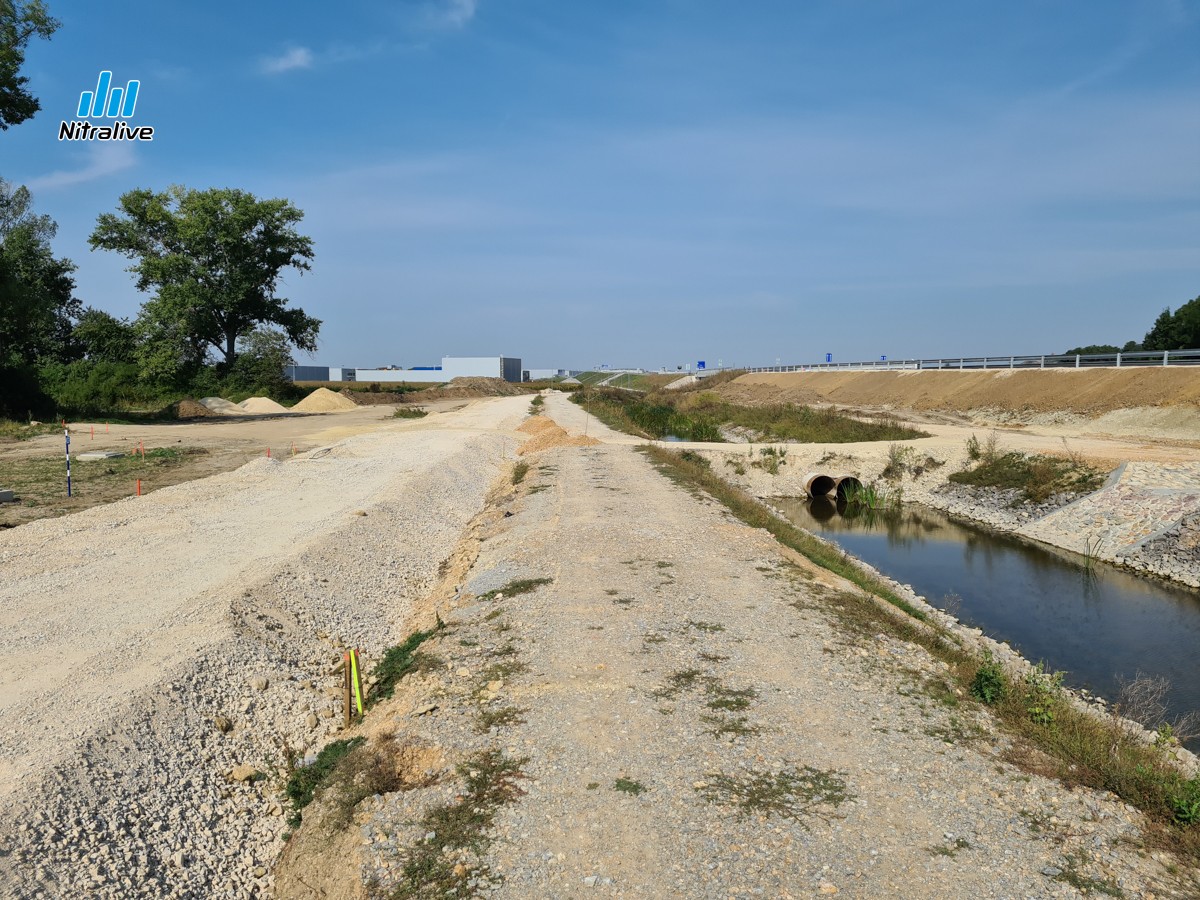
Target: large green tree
(37, 302)
(213, 260)
(18, 23)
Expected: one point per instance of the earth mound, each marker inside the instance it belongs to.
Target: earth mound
(324, 400)
(536, 425)
(1086, 392)
(190, 409)
(468, 387)
(551, 436)
(221, 406)
(261, 406)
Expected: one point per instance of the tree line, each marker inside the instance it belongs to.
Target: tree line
(210, 262)
(1178, 330)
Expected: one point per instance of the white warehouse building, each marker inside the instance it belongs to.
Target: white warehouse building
(506, 367)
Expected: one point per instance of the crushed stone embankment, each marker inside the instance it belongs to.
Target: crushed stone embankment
(690, 722)
(156, 645)
(1146, 519)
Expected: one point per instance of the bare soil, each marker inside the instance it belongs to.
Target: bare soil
(36, 468)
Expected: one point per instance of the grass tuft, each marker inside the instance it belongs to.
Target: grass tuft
(515, 588)
(628, 786)
(1037, 477)
(304, 781)
(787, 794)
(401, 660)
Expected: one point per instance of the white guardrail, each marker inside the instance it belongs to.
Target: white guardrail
(1073, 361)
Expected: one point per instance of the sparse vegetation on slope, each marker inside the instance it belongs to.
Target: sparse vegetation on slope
(1053, 735)
(700, 416)
(1037, 477)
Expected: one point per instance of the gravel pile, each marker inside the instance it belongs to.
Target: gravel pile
(166, 748)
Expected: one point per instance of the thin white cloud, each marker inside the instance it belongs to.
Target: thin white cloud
(295, 58)
(105, 159)
(452, 13)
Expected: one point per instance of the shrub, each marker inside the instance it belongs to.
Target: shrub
(989, 684)
(1184, 799)
(1043, 690)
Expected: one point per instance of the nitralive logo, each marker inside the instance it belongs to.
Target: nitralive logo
(106, 102)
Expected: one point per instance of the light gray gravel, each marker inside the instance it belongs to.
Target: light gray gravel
(194, 631)
(662, 604)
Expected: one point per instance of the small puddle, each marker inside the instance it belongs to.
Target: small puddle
(1099, 626)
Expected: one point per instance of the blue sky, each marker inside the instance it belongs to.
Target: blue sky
(653, 183)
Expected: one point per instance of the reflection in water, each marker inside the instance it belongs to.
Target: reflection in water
(1101, 625)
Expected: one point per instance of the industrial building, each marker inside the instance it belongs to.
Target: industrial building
(317, 373)
(506, 367)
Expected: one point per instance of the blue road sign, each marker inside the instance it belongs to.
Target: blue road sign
(700, 364)
(828, 357)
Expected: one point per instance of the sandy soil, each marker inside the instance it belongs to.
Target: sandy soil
(230, 441)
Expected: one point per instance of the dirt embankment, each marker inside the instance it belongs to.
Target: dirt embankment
(458, 389)
(1084, 392)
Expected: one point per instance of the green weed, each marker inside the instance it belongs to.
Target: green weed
(990, 683)
(516, 588)
(628, 786)
(787, 794)
(401, 660)
(304, 781)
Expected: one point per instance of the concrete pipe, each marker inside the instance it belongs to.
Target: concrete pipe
(844, 484)
(817, 485)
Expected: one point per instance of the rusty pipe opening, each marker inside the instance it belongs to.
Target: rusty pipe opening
(845, 484)
(818, 485)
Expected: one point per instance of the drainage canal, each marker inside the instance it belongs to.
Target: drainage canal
(1100, 625)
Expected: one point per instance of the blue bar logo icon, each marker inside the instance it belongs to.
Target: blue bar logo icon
(107, 101)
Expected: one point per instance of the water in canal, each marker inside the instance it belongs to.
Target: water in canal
(1098, 626)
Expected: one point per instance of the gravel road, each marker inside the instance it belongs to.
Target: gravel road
(694, 723)
(155, 644)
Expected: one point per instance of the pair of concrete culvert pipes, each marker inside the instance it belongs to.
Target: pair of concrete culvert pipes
(818, 485)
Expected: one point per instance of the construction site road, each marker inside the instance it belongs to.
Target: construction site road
(127, 630)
